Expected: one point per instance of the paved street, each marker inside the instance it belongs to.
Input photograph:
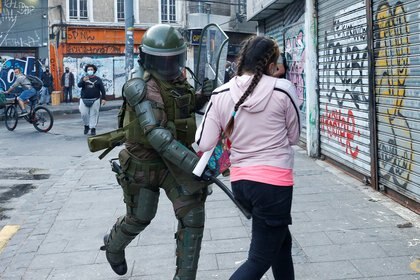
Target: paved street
(341, 228)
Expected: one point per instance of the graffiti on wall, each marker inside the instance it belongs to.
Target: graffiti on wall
(81, 35)
(342, 127)
(344, 68)
(7, 75)
(14, 15)
(392, 60)
(94, 49)
(295, 59)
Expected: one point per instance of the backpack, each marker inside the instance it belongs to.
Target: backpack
(36, 83)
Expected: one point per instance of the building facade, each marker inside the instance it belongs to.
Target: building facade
(23, 38)
(59, 33)
(91, 31)
(355, 66)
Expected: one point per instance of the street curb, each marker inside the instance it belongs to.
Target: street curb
(68, 111)
(76, 110)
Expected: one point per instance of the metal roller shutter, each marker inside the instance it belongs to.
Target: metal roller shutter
(397, 89)
(274, 28)
(343, 83)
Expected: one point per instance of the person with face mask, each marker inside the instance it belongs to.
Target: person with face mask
(47, 80)
(67, 83)
(91, 98)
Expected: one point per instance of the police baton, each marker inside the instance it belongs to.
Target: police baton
(198, 171)
(230, 195)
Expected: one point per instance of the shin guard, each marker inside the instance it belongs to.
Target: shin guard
(118, 239)
(188, 252)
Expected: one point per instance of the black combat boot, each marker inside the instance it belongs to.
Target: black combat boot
(86, 129)
(93, 131)
(118, 268)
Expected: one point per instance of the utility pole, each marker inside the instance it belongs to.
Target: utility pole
(129, 37)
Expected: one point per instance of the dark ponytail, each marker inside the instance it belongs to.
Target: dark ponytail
(255, 57)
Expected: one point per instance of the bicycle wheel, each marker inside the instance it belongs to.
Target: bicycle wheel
(42, 119)
(11, 118)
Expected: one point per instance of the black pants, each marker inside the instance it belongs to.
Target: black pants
(271, 243)
(68, 97)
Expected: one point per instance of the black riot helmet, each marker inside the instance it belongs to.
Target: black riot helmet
(163, 52)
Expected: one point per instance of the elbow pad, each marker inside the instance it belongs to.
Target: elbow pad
(170, 149)
(162, 140)
(146, 116)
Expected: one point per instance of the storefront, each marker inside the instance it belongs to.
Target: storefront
(103, 47)
(367, 94)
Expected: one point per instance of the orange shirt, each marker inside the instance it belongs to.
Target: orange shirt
(264, 174)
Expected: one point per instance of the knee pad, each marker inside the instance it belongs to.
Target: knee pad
(146, 205)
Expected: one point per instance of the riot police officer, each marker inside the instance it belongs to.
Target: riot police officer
(158, 115)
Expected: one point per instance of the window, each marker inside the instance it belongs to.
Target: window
(120, 10)
(78, 9)
(168, 11)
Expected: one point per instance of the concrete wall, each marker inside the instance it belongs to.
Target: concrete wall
(149, 11)
(104, 12)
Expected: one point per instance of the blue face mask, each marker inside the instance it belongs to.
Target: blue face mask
(90, 72)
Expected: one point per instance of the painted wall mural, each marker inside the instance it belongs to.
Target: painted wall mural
(8, 63)
(344, 85)
(295, 58)
(392, 70)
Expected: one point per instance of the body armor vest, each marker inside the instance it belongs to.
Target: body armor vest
(179, 106)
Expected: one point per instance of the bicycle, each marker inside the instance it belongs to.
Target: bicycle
(39, 116)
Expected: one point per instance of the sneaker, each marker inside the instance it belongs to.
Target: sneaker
(93, 131)
(23, 113)
(86, 129)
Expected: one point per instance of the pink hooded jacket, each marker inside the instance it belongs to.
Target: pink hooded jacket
(266, 124)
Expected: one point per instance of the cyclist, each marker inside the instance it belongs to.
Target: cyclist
(26, 94)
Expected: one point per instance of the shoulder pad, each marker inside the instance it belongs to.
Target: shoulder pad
(134, 90)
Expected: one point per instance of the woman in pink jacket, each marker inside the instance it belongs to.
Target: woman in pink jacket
(259, 113)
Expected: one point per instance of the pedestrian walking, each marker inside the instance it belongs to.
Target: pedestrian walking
(261, 171)
(91, 98)
(159, 121)
(67, 83)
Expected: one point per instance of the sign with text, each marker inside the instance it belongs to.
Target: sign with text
(195, 37)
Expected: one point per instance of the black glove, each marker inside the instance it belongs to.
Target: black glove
(206, 176)
(208, 87)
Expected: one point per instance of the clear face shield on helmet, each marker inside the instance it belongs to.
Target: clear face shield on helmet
(165, 67)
